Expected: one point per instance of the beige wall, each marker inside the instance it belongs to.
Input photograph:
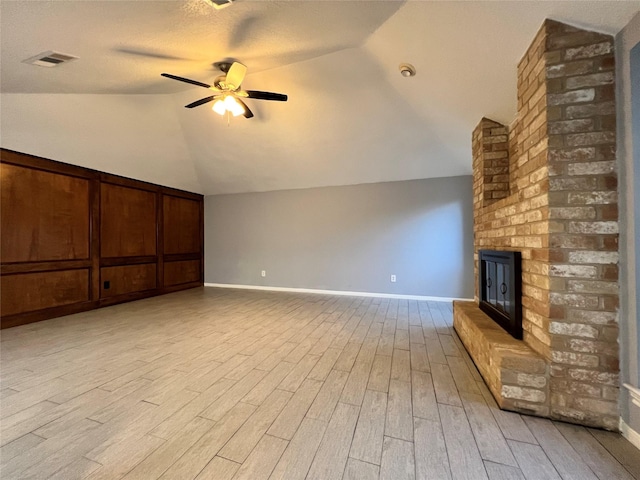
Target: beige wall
(350, 238)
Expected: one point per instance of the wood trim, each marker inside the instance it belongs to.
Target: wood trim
(94, 262)
(49, 266)
(149, 187)
(39, 163)
(160, 238)
(178, 257)
(172, 192)
(49, 313)
(39, 315)
(130, 297)
(94, 225)
(202, 241)
(117, 261)
(128, 182)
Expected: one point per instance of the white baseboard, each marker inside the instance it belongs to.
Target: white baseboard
(630, 434)
(334, 292)
(634, 393)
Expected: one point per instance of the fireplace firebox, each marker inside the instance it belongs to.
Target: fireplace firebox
(500, 280)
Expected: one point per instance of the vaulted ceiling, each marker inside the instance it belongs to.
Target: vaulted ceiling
(351, 117)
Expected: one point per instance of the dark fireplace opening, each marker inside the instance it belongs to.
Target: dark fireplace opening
(500, 280)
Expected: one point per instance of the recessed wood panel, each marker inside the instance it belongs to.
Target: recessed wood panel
(44, 216)
(27, 292)
(67, 229)
(127, 279)
(177, 273)
(181, 225)
(127, 221)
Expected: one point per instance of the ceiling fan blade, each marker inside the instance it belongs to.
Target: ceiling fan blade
(235, 75)
(247, 111)
(279, 97)
(202, 101)
(186, 80)
(150, 53)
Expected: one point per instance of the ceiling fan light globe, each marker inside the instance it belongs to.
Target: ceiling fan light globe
(236, 110)
(219, 107)
(232, 105)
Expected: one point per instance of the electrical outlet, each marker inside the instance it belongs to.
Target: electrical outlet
(263, 273)
(393, 279)
(107, 284)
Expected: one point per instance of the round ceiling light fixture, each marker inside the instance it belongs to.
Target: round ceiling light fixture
(407, 70)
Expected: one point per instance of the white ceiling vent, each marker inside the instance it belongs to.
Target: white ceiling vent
(50, 59)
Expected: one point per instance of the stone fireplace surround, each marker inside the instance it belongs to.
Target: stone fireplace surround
(546, 186)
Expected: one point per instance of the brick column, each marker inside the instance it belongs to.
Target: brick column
(583, 225)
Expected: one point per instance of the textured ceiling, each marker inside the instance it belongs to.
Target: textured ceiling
(351, 118)
(123, 45)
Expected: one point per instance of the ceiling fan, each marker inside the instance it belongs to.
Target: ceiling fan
(228, 96)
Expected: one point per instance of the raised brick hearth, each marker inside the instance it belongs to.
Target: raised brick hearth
(546, 186)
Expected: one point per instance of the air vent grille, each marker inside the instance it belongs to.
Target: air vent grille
(50, 59)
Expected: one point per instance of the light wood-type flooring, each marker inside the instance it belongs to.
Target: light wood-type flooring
(227, 384)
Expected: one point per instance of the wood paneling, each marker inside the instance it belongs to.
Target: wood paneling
(27, 292)
(127, 279)
(67, 229)
(176, 273)
(128, 221)
(45, 216)
(181, 225)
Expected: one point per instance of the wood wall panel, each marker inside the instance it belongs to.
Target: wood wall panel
(177, 273)
(126, 279)
(127, 221)
(181, 225)
(44, 216)
(26, 292)
(67, 229)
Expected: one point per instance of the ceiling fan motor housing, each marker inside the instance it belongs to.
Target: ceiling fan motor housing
(218, 4)
(218, 80)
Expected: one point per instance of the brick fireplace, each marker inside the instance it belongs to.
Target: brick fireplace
(546, 186)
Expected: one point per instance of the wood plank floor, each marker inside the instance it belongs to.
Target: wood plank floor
(228, 384)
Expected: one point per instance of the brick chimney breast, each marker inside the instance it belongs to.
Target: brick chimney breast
(547, 187)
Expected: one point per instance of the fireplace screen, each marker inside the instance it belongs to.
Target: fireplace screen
(500, 289)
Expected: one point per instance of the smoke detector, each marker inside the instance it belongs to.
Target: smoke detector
(50, 59)
(218, 4)
(407, 70)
